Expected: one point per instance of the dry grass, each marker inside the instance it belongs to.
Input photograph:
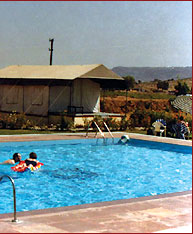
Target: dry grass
(152, 85)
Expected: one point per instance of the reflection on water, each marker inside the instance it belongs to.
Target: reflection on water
(67, 174)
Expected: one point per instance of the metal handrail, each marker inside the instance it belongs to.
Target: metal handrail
(109, 131)
(14, 196)
(102, 134)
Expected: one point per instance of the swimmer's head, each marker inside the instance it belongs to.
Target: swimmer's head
(17, 157)
(125, 138)
(33, 155)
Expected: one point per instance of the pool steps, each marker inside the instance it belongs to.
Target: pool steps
(100, 131)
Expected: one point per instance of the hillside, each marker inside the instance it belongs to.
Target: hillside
(117, 105)
(152, 85)
(151, 73)
(145, 98)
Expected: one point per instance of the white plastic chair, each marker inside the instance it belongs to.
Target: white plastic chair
(159, 128)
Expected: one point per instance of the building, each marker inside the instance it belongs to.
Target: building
(47, 91)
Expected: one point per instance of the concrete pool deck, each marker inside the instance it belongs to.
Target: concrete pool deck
(168, 213)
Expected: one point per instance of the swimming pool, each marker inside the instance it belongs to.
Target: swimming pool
(81, 171)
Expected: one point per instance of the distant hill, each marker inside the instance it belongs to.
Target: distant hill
(152, 73)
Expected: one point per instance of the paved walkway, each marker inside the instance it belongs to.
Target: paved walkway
(169, 213)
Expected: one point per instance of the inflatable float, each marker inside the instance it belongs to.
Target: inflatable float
(21, 167)
(124, 140)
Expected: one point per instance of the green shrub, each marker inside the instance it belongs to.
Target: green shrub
(87, 124)
(145, 118)
(156, 115)
(16, 121)
(182, 88)
(66, 123)
(112, 124)
(124, 124)
(23, 122)
(143, 95)
(138, 95)
(140, 118)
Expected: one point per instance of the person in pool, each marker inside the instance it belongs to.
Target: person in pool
(29, 163)
(32, 160)
(16, 159)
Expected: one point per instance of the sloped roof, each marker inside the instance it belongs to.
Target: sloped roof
(63, 72)
(184, 103)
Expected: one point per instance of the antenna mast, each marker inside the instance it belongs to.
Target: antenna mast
(51, 50)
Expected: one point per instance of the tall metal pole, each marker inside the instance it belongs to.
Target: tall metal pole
(51, 50)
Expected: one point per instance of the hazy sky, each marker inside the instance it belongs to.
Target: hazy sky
(122, 33)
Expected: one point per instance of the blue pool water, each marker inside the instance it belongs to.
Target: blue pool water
(81, 171)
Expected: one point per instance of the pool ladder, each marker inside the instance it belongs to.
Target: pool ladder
(14, 196)
(101, 132)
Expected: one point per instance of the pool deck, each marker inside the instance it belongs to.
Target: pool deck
(167, 213)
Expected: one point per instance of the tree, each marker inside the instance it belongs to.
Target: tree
(129, 84)
(182, 88)
(163, 85)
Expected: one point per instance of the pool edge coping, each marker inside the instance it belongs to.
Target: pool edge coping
(65, 136)
(94, 205)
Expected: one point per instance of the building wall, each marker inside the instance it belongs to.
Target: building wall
(91, 96)
(36, 100)
(11, 98)
(59, 98)
(27, 99)
(86, 93)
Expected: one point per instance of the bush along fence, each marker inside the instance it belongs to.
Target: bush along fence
(139, 118)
